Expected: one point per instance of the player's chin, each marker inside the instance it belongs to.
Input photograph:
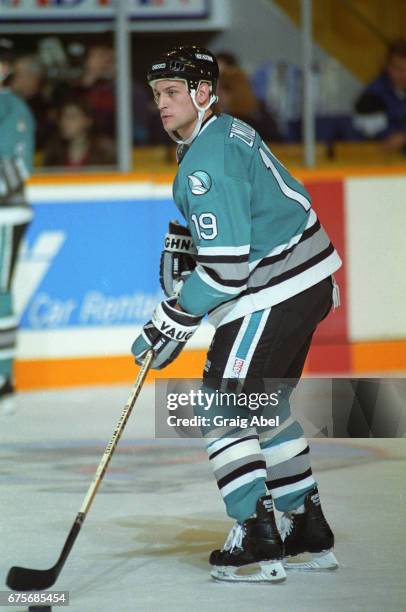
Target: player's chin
(170, 128)
(168, 123)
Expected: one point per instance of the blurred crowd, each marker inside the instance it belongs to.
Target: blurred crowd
(380, 111)
(71, 93)
(73, 103)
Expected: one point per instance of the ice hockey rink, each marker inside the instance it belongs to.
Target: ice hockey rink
(146, 540)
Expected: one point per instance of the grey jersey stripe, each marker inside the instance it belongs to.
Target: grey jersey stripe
(7, 339)
(223, 272)
(283, 289)
(233, 465)
(298, 256)
(228, 272)
(292, 467)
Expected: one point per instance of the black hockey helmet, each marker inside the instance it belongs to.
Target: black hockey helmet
(192, 64)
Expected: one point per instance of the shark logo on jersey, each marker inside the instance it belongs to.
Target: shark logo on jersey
(199, 182)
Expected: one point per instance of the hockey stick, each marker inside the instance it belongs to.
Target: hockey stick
(24, 579)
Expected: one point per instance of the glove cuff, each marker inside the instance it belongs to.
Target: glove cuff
(174, 324)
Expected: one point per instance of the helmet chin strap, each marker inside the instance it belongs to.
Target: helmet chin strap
(5, 72)
(201, 110)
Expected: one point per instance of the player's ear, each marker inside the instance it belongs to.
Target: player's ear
(203, 94)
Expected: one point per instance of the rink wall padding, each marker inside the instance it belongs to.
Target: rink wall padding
(56, 373)
(87, 276)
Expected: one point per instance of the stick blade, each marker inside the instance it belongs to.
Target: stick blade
(24, 579)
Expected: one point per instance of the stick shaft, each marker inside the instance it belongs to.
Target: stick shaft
(108, 453)
(24, 579)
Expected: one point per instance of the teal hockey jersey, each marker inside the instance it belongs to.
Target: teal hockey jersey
(17, 129)
(16, 157)
(258, 240)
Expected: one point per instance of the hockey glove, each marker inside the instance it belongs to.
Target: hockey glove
(167, 333)
(177, 260)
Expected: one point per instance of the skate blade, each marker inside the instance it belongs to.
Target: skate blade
(325, 560)
(265, 571)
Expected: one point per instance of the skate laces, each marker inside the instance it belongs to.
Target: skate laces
(286, 525)
(235, 537)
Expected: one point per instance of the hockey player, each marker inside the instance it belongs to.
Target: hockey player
(16, 160)
(256, 259)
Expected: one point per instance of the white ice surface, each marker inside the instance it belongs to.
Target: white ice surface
(145, 543)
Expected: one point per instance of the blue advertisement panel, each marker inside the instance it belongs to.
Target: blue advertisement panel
(92, 263)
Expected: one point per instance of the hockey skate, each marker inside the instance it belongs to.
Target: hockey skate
(7, 397)
(253, 550)
(307, 538)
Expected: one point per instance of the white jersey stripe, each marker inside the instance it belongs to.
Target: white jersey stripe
(224, 250)
(242, 480)
(276, 294)
(246, 448)
(293, 488)
(288, 191)
(295, 239)
(284, 451)
(254, 343)
(284, 247)
(8, 322)
(228, 370)
(223, 288)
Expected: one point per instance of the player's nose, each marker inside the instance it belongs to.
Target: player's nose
(162, 103)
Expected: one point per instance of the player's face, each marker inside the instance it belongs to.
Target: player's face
(176, 108)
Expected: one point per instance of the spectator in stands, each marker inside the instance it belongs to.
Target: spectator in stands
(380, 111)
(77, 142)
(140, 117)
(237, 98)
(96, 87)
(27, 76)
(29, 82)
(225, 60)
